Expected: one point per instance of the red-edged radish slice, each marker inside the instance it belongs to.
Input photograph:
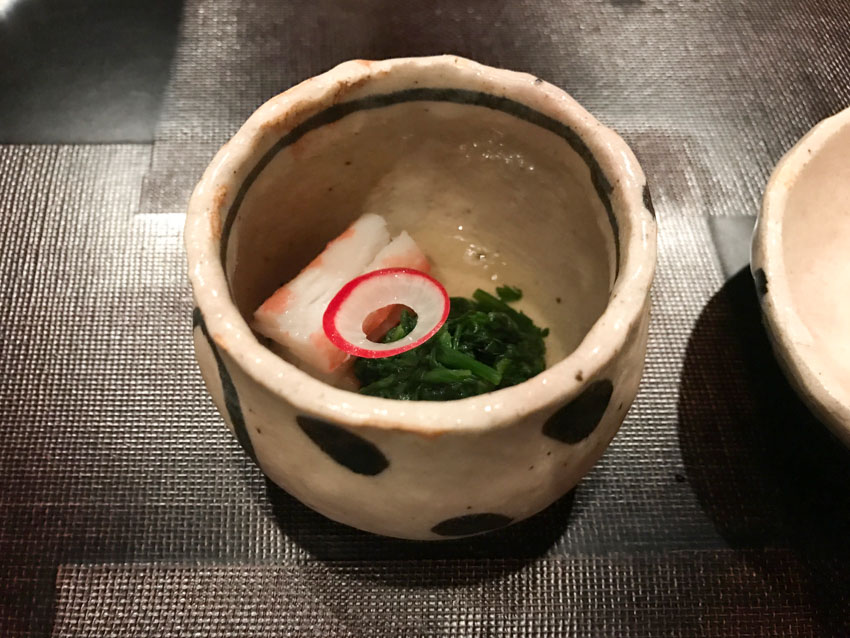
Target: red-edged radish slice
(343, 319)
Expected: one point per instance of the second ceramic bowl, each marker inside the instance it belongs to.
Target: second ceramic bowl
(500, 178)
(801, 264)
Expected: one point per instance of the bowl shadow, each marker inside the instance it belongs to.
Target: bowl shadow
(764, 469)
(497, 552)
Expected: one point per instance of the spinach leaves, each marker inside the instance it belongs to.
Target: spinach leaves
(484, 345)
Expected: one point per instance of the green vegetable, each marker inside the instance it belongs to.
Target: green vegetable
(484, 345)
(509, 293)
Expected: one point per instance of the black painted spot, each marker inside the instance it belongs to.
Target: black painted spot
(457, 96)
(231, 398)
(647, 200)
(761, 282)
(344, 447)
(471, 524)
(575, 421)
(198, 320)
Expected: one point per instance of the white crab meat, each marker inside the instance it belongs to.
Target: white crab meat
(292, 316)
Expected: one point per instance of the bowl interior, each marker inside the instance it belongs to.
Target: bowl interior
(816, 250)
(491, 199)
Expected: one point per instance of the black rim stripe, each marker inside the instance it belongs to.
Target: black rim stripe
(457, 96)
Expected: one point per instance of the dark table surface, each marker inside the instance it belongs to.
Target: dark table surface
(722, 508)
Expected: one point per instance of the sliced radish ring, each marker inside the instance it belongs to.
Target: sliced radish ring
(345, 314)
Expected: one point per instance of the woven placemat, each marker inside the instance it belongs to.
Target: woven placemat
(709, 94)
(685, 594)
(110, 451)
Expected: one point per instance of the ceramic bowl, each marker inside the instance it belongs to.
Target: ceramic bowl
(500, 178)
(801, 264)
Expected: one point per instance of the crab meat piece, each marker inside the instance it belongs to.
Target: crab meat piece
(292, 316)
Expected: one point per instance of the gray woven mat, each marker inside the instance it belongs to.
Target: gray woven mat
(110, 451)
(686, 594)
(709, 94)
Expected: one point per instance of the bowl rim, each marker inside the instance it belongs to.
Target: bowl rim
(628, 300)
(790, 337)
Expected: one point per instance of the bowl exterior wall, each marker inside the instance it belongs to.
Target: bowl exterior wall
(429, 470)
(396, 482)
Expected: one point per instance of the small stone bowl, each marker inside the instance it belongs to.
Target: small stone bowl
(801, 265)
(500, 178)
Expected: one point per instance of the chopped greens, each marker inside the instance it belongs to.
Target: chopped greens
(483, 346)
(509, 293)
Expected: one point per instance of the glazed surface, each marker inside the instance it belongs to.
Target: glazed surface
(492, 200)
(816, 245)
